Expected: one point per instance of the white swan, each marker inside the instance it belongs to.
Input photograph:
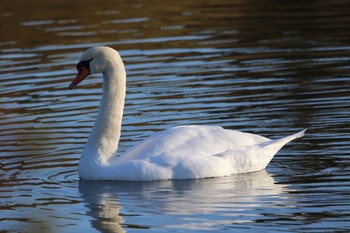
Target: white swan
(182, 152)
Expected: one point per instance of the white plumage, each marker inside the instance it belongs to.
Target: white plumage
(182, 152)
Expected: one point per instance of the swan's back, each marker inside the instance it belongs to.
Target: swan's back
(192, 141)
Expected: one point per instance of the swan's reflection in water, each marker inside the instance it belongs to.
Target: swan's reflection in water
(192, 204)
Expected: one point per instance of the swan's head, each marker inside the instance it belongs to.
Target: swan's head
(95, 60)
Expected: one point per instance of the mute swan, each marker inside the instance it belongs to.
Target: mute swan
(181, 152)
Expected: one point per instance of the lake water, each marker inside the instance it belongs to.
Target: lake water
(266, 67)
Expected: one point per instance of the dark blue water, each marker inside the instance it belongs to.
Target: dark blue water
(269, 67)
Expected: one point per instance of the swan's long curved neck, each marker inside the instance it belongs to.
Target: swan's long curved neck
(104, 138)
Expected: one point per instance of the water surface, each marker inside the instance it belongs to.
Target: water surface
(266, 67)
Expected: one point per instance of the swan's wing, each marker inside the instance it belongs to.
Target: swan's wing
(192, 141)
(189, 152)
(256, 157)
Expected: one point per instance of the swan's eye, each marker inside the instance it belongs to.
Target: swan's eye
(85, 63)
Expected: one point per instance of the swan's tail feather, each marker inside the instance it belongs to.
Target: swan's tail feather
(279, 143)
(293, 136)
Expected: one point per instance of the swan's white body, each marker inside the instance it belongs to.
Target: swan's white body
(182, 152)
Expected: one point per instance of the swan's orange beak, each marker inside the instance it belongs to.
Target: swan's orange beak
(83, 72)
